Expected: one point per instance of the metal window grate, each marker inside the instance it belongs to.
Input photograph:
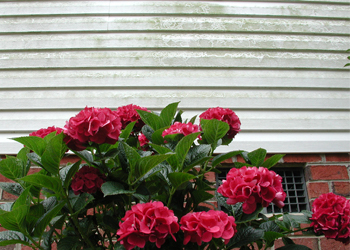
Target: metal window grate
(293, 183)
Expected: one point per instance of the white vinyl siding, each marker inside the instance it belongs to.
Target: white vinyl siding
(279, 65)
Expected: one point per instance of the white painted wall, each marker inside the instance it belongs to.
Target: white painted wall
(277, 64)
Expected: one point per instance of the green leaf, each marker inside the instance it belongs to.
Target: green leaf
(213, 130)
(114, 188)
(272, 161)
(68, 243)
(11, 168)
(85, 156)
(172, 160)
(147, 163)
(201, 196)
(151, 119)
(79, 202)
(168, 113)
(14, 220)
(269, 226)
(23, 199)
(34, 158)
(127, 130)
(293, 247)
(49, 182)
(13, 237)
(12, 188)
(249, 217)
(287, 241)
(222, 157)
(53, 154)
(270, 237)
(257, 157)
(68, 172)
(34, 143)
(22, 155)
(44, 220)
(245, 236)
(157, 137)
(183, 147)
(178, 178)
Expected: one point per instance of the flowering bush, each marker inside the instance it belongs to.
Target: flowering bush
(331, 217)
(139, 181)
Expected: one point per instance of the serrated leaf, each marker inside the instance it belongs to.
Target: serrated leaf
(222, 157)
(114, 188)
(34, 158)
(151, 119)
(53, 154)
(245, 236)
(272, 161)
(14, 219)
(127, 130)
(86, 156)
(11, 168)
(168, 113)
(12, 237)
(68, 243)
(201, 196)
(133, 157)
(178, 178)
(213, 130)
(12, 188)
(257, 157)
(68, 172)
(23, 199)
(49, 182)
(44, 220)
(183, 147)
(269, 226)
(270, 237)
(34, 143)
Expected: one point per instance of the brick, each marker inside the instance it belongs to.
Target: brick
(33, 170)
(302, 158)
(9, 247)
(69, 159)
(344, 157)
(332, 244)
(309, 242)
(328, 172)
(210, 176)
(4, 179)
(315, 189)
(8, 197)
(240, 159)
(341, 188)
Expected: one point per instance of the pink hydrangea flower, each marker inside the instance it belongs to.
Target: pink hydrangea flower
(203, 226)
(331, 217)
(252, 185)
(143, 140)
(87, 180)
(45, 131)
(225, 115)
(129, 114)
(147, 222)
(181, 128)
(99, 125)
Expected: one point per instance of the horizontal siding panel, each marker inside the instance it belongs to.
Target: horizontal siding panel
(176, 8)
(172, 24)
(191, 98)
(172, 41)
(159, 58)
(150, 79)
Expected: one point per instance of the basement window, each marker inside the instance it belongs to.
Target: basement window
(293, 182)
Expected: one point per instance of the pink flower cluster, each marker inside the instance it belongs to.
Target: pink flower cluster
(203, 226)
(129, 114)
(142, 139)
(145, 222)
(181, 128)
(45, 131)
(252, 185)
(99, 125)
(331, 216)
(225, 115)
(87, 180)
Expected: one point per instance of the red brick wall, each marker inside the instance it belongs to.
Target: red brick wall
(323, 172)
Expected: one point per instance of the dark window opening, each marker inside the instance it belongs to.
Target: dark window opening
(294, 186)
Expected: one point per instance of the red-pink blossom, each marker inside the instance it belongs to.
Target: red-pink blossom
(87, 180)
(99, 125)
(128, 114)
(147, 222)
(331, 217)
(225, 115)
(45, 131)
(181, 128)
(203, 226)
(143, 140)
(252, 185)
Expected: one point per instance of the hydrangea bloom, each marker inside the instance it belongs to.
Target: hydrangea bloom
(45, 131)
(225, 115)
(203, 226)
(87, 180)
(129, 114)
(99, 125)
(181, 128)
(331, 216)
(252, 185)
(143, 140)
(145, 222)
